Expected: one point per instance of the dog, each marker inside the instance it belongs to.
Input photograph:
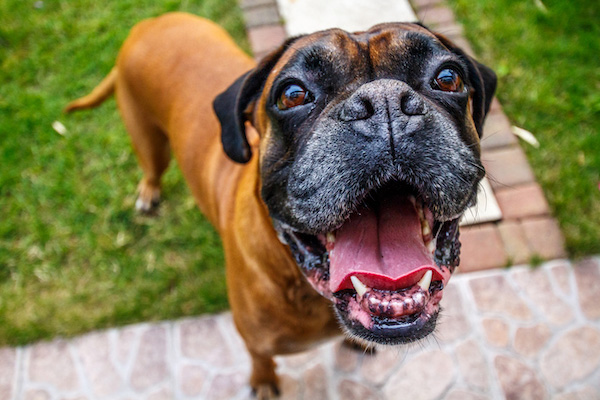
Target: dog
(336, 170)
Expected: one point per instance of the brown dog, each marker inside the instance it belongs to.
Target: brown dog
(343, 211)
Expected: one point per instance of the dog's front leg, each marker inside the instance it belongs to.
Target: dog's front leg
(264, 381)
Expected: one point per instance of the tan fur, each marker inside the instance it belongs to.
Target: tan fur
(167, 74)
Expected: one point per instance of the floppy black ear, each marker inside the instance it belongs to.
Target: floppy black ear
(233, 133)
(232, 105)
(483, 81)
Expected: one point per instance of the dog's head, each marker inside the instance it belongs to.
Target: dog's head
(369, 155)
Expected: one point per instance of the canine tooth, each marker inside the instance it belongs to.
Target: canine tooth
(330, 237)
(360, 287)
(425, 228)
(425, 281)
(413, 200)
(431, 246)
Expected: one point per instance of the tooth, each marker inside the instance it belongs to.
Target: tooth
(431, 246)
(420, 211)
(425, 228)
(425, 281)
(330, 237)
(360, 287)
(413, 200)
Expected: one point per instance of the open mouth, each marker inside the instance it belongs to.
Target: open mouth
(385, 267)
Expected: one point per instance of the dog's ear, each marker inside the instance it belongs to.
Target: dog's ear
(483, 81)
(234, 106)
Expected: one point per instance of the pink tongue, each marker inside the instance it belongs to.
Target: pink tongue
(384, 248)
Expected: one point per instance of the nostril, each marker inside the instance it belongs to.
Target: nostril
(357, 108)
(412, 105)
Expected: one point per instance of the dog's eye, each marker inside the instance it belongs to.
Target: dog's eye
(292, 96)
(448, 80)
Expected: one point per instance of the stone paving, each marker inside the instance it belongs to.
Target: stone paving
(519, 333)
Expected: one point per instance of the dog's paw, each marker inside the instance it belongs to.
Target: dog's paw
(148, 199)
(144, 206)
(266, 391)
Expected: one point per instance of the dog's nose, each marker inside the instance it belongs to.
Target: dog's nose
(387, 98)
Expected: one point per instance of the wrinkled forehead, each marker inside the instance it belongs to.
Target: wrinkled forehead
(382, 48)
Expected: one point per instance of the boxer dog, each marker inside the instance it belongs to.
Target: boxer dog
(336, 170)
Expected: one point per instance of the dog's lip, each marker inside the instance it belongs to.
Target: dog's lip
(386, 329)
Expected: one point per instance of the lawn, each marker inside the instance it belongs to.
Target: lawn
(74, 255)
(546, 54)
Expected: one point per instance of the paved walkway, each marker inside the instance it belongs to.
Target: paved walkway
(520, 333)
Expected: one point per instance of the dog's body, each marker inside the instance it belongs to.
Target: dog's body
(169, 71)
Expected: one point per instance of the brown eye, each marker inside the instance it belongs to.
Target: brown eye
(292, 96)
(448, 80)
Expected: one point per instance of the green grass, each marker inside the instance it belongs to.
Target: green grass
(74, 256)
(549, 83)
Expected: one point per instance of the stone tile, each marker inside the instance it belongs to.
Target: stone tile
(529, 341)
(515, 243)
(585, 393)
(481, 249)
(496, 331)
(536, 285)
(544, 237)
(433, 370)
(94, 353)
(472, 365)
(587, 276)
(497, 131)
(260, 16)
(8, 371)
(266, 38)
(300, 360)
(126, 343)
(161, 394)
(227, 386)
(350, 390)
(316, 383)
(451, 30)
(201, 339)
(496, 106)
(417, 4)
(460, 394)
(452, 323)
(245, 4)
(151, 365)
(75, 398)
(37, 394)
(235, 341)
(192, 379)
(435, 16)
(579, 347)
(522, 201)
(493, 294)
(346, 358)
(289, 388)
(260, 55)
(51, 363)
(518, 381)
(561, 274)
(377, 367)
(507, 167)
